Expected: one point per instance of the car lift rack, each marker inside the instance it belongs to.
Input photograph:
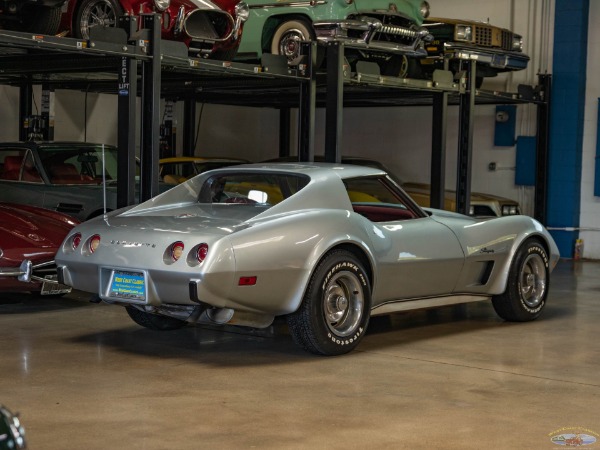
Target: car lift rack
(133, 61)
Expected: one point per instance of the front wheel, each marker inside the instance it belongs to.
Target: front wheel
(527, 285)
(335, 311)
(287, 38)
(95, 14)
(402, 67)
(154, 321)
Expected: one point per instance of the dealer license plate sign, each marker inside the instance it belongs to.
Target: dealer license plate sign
(128, 285)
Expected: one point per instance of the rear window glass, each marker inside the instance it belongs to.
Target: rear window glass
(250, 188)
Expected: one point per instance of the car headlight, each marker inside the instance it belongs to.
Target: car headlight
(161, 5)
(425, 9)
(242, 11)
(517, 43)
(510, 210)
(464, 33)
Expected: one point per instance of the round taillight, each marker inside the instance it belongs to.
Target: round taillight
(177, 250)
(94, 242)
(202, 252)
(76, 240)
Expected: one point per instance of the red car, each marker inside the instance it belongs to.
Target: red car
(29, 239)
(210, 28)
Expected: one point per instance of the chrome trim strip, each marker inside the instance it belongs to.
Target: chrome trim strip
(407, 305)
(290, 4)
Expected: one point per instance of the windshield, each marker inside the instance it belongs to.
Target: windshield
(79, 164)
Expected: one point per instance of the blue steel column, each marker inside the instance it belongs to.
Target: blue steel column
(150, 138)
(566, 121)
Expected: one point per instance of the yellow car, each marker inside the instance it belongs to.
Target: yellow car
(177, 169)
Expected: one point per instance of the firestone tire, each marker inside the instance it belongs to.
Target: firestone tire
(527, 285)
(95, 13)
(335, 311)
(287, 38)
(154, 321)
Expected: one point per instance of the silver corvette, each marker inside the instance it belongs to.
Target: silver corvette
(327, 246)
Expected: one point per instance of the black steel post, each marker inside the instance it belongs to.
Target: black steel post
(307, 110)
(465, 142)
(47, 112)
(284, 132)
(126, 133)
(438, 150)
(334, 102)
(25, 107)
(542, 144)
(189, 127)
(150, 136)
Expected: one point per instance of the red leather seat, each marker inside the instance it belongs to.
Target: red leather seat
(12, 167)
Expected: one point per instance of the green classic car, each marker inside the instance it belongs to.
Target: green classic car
(377, 30)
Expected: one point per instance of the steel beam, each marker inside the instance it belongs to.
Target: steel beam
(307, 109)
(150, 136)
(438, 150)
(126, 133)
(25, 107)
(465, 141)
(284, 132)
(189, 127)
(542, 158)
(334, 102)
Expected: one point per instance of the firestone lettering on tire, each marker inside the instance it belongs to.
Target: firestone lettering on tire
(338, 341)
(541, 252)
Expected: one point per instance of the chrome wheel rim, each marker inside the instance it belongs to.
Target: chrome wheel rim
(289, 46)
(343, 303)
(97, 14)
(533, 281)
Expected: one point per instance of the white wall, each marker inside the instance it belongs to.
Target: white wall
(590, 205)
(399, 137)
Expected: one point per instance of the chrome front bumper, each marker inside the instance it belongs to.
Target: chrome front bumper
(337, 31)
(25, 273)
(498, 59)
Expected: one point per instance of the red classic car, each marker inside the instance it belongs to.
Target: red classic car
(210, 28)
(29, 239)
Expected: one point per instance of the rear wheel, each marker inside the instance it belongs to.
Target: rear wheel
(154, 321)
(95, 13)
(287, 38)
(335, 311)
(527, 285)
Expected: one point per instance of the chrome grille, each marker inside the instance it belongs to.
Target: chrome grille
(398, 31)
(483, 36)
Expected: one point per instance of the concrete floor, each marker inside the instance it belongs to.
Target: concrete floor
(84, 376)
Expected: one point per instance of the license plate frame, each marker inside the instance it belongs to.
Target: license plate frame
(127, 285)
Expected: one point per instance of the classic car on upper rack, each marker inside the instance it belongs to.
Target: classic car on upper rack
(29, 239)
(494, 49)
(376, 30)
(62, 176)
(36, 16)
(177, 169)
(324, 245)
(209, 28)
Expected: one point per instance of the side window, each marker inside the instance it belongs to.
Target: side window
(377, 200)
(18, 165)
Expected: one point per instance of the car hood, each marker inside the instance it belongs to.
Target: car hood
(423, 188)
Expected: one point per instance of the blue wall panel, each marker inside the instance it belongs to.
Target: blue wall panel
(566, 120)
